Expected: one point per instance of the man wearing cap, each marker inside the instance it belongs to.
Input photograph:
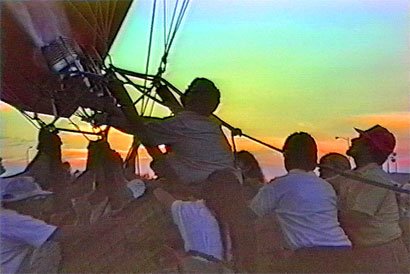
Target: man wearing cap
(197, 145)
(370, 214)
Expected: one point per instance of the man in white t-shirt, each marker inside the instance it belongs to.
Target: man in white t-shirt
(305, 204)
(200, 232)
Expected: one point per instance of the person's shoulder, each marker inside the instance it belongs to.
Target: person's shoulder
(375, 173)
(275, 182)
(291, 177)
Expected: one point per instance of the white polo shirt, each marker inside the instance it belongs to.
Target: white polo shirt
(305, 206)
(19, 234)
(198, 227)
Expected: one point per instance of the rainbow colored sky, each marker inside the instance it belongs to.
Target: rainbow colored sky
(282, 66)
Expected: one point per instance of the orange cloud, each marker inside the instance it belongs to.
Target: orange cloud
(392, 120)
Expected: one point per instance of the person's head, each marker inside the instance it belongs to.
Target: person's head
(373, 145)
(249, 166)
(66, 166)
(222, 191)
(335, 160)
(25, 196)
(202, 96)
(49, 142)
(300, 152)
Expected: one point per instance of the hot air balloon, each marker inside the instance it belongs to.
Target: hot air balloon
(45, 41)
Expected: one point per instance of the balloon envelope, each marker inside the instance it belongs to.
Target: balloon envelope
(27, 81)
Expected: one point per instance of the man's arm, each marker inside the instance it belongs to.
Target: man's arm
(264, 202)
(169, 100)
(127, 106)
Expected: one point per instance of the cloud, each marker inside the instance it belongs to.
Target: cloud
(395, 121)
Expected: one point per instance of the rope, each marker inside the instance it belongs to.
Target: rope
(234, 148)
(78, 128)
(395, 188)
(25, 115)
(177, 25)
(99, 35)
(172, 23)
(149, 51)
(165, 22)
(138, 162)
(168, 40)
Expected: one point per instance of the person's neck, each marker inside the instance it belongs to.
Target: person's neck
(361, 164)
(300, 169)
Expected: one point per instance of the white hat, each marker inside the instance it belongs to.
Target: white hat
(137, 186)
(20, 188)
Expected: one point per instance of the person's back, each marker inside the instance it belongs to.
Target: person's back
(380, 206)
(198, 227)
(198, 146)
(306, 209)
(200, 232)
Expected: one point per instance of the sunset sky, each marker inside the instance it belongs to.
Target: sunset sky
(318, 66)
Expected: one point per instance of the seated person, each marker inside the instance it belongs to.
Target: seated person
(199, 230)
(217, 229)
(306, 209)
(196, 144)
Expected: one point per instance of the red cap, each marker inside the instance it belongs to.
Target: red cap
(380, 137)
